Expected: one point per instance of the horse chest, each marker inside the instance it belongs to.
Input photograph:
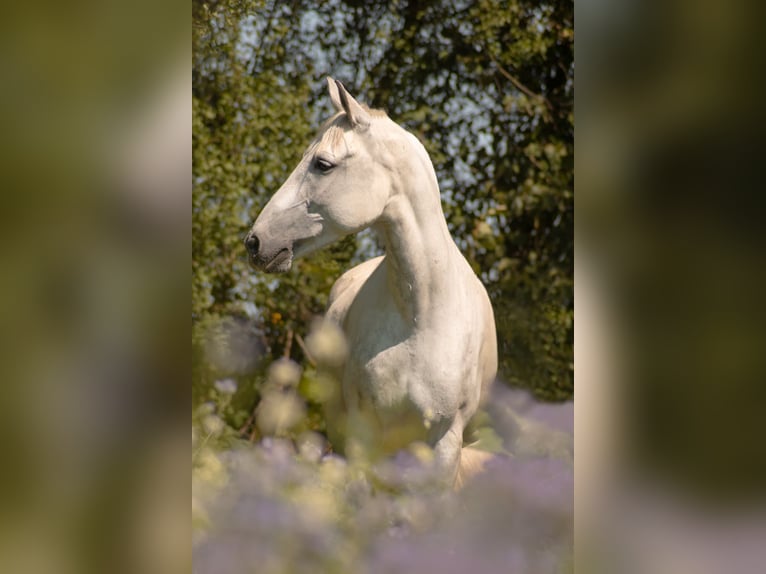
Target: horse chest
(382, 354)
(393, 365)
(397, 362)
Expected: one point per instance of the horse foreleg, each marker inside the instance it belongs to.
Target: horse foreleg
(447, 450)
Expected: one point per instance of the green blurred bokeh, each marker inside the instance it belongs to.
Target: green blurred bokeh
(95, 119)
(670, 340)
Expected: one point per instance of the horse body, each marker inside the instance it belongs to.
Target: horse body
(421, 372)
(419, 323)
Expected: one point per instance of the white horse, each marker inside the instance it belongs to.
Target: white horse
(418, 322)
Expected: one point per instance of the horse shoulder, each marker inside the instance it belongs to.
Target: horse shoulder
(347, 286)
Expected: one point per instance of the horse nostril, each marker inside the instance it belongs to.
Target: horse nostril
(252, 243)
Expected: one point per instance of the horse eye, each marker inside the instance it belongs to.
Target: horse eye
(323, 165)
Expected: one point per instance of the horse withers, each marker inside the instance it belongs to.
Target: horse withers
(418, 322)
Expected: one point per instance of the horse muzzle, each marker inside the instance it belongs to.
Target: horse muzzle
(268, 260)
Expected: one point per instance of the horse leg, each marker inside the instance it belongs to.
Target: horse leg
(447, 450)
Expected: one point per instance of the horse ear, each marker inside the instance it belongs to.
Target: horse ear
(334, 95)
(357, 115)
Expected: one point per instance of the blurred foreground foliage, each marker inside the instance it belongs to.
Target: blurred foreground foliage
(287, 505)
(487, 86)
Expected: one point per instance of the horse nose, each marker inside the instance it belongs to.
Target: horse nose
(252, 243)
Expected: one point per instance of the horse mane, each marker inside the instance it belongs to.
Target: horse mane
(374, 112)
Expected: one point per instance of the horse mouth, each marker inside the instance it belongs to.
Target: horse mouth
(280, 263)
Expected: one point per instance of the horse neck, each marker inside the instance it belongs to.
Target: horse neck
(420, 251)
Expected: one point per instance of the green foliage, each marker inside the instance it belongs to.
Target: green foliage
(488, 87)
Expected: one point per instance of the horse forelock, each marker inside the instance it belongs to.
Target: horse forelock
(331, 136)
(341, 119)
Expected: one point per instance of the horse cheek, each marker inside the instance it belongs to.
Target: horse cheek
(355, 212)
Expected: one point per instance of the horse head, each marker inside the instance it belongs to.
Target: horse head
(340, 186)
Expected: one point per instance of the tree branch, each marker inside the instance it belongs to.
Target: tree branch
(302, 345)
(517, 84)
